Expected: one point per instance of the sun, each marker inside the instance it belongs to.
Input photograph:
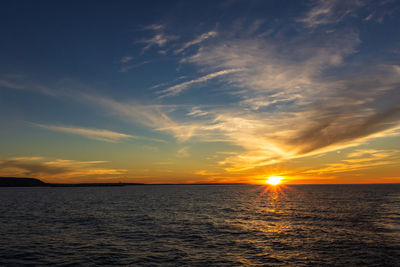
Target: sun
(274, 180)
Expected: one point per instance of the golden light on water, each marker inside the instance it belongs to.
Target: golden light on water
(274, 180)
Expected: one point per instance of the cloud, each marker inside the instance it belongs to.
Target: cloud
(271, 65)
(299, 96)
(97, 134)
(196, 41)
(151, 116)
(154, 27)
(40, 167)
(337, 11)
(197, 112)
(332, 127)
(26, 158)
(367, 155)
(177, 89)
(310, 119)
(158, 118)
(359, 153)
(29, 167)
(126, 67)
(296, 95)
(159, 38)
(167, 83)
(126, 59)
(330, 12)
(360, 159)
(21, 83)
(205, 173)
(183, 152)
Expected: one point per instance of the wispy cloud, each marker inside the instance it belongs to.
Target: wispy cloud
(154, 27)
(205, 173)
(127, 67)
(183, 152)
(327, 12)
(333, 126)
(97, 134)
(151, 116)
(299, 125)
(311, 113)
(61, 169)
(177, 89)
(197, 112)
(360, 159)
(269, 66)
(159, 37)
(297, 95)
(164, 84)
(196, 41)
(157, 117)
(21, 83)
(126, 59)
(333, 12)
(290, 107)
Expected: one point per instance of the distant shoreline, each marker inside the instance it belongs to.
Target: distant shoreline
(34, 182)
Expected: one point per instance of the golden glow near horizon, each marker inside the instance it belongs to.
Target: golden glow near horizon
(274, 180)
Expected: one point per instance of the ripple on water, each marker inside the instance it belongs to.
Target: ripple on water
(201, 225)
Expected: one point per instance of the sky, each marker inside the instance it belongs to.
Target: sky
(200, 91)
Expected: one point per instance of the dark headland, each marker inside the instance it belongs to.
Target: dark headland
(33, 182)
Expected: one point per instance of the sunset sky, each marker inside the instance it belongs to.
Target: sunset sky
(200, 91)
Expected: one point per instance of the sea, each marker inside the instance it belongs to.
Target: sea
(201, 225)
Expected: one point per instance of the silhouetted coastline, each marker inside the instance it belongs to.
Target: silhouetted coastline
(17, 182)
(34, 182)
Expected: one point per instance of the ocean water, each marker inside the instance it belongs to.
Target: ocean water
(201, 225)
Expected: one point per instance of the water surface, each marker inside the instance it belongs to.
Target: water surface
(198, 225)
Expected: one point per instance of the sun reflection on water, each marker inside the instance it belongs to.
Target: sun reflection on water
(272, 201)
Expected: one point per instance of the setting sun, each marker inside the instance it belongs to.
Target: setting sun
(274, 180)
